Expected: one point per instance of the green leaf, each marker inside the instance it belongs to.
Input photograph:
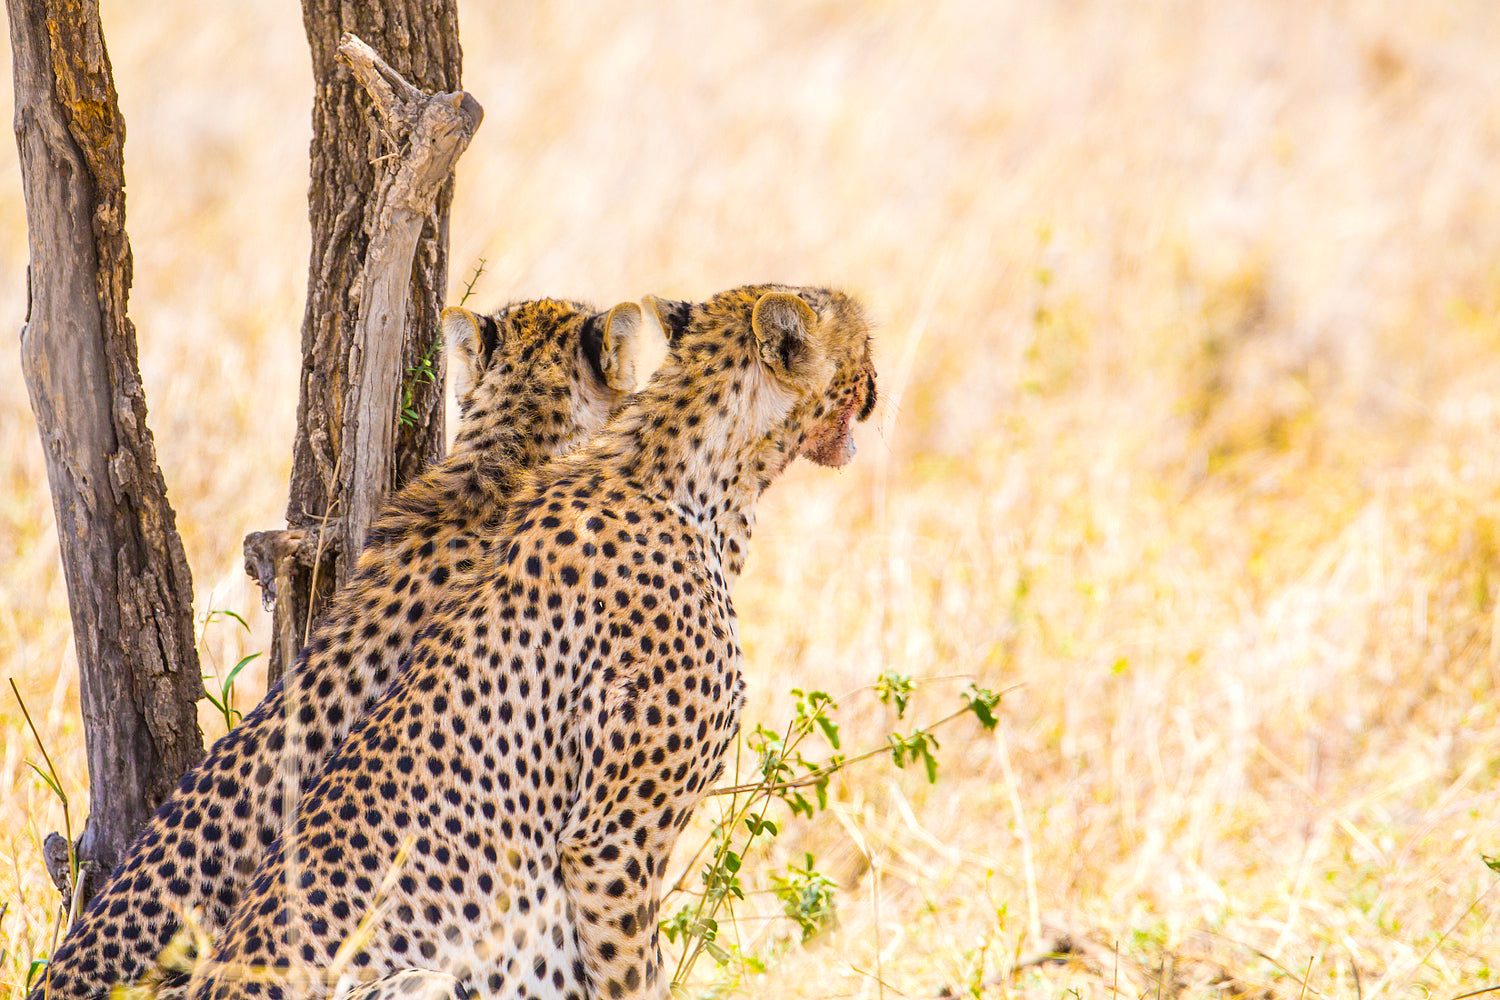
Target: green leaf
(830, 730)
(898, 749)
(237, 668)
(229, 614)
(982, 702)
(36, 966)
(895, 689)
(932, 765)
(807, 896)
(51, 782)
(758, 825)
(1492, 863)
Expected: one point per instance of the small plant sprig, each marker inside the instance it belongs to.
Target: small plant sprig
(806, 894)
(223, 699)
(42, 966)
(53, 782)
(895, 689)
(424, 372)
(473, 280)
(904, 749)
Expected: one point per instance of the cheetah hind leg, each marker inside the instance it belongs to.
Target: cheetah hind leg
(411, 984)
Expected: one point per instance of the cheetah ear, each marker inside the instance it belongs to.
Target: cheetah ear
(617, 344)
(471, 343)
(672, 315)
(783, 325)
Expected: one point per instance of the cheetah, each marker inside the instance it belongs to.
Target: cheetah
(534, 380)
(499, 824)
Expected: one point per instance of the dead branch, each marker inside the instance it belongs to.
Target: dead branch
(427, 133)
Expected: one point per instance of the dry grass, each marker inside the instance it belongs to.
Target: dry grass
(1188, 343)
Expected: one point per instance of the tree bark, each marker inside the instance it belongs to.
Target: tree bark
(129, 588)
(420, 41)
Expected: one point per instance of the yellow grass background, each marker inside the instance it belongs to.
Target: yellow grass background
(1187, 322)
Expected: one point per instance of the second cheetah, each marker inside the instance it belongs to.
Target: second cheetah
(534, 380)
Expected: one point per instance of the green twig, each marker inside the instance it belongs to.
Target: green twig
(469, 285)
(805, 892)
(813, 777)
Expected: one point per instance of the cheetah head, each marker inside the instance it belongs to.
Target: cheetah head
(802, 334)
(558, 366)
(815, 342)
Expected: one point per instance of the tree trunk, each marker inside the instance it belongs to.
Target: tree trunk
(129, 588)
(316, 556)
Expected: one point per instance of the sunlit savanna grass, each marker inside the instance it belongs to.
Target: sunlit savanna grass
(1188, 324)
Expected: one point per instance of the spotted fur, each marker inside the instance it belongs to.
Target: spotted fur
(504, 815)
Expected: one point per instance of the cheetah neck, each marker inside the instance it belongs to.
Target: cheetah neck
(523, 428)
(708, 441)
(476, 481)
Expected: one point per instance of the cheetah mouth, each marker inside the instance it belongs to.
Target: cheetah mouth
(832, 444)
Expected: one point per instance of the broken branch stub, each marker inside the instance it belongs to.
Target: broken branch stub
(428, 133)
(424, 134)
(352, 150)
